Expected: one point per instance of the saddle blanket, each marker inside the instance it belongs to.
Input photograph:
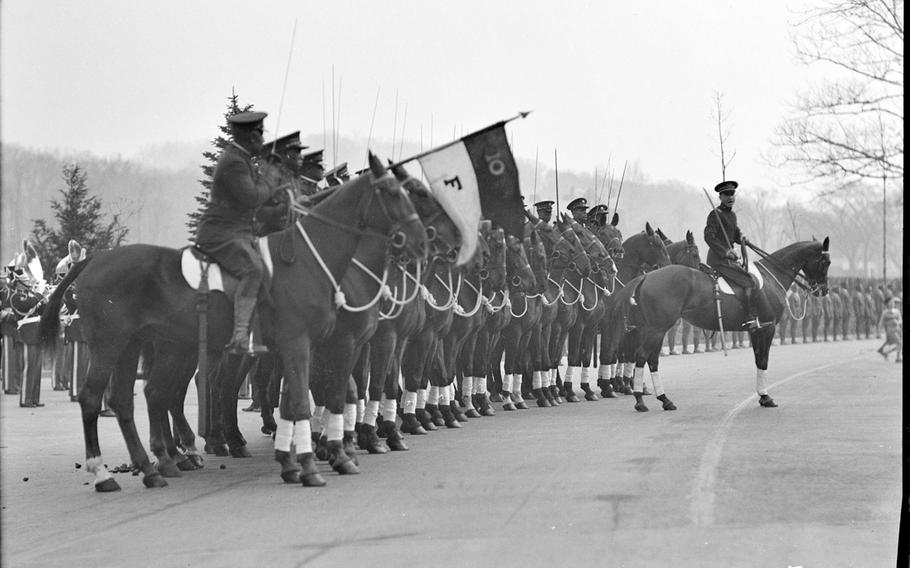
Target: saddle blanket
(725, 287)
(191, 267)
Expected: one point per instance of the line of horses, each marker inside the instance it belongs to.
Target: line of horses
(371, 325)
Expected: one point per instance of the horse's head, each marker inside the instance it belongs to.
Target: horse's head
(389, 210)
(611, 237)
(685, 252)
(596, 251)
(580, 257)
(537, 258)
(816, 267)
(518, 266)
(646, 249)
(442, 233)
(562, 253)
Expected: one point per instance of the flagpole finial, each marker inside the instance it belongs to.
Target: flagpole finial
(524, 114)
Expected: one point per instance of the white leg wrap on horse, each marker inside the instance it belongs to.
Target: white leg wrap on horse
(444, 397)
(350, 416)
(389, 409)
(318, 419)
(480, 385)
(370, 413)
(585, 375)
(96, 466)
(516, 383)
(361, 408)
(433, 395)
(284, 434)
(613, 370)
(421, 398)
(467, 389)
(760, 376)
(303, 437)
(628, 369)
(603, 372)
(537, 379)
(570, 374)
(657, 383)
(334, 427)
(409, 402)
(638, 380)
(507, 381)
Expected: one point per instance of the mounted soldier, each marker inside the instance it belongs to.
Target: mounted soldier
(597, 216)
(225, 231)
(311, 172)
(544, 210)
(578, 208)
(721, 233)
(284, 156)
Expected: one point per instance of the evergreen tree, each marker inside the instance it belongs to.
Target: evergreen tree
(79, 217)
(211, 158)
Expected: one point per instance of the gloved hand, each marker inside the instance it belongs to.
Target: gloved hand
(732, 254)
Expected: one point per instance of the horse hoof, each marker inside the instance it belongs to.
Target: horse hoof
(291, 476)
(107, 486)
(669, 406)
(267, 431)
(607, 393)
(220, 450)
(591, 396)
(496, 397)
(346, 467)
(240, 452)
(154, 479)
(396, 444)
(471, 413)
(521, 405)
(766, 401)
(641, 407)
(186, 464)
(508, 406)
(312, 480)
(196, 460)
(572, 397)
(168, 469)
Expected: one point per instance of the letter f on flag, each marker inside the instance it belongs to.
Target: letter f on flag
(476, 177)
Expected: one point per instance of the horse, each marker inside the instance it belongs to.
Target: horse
(684, 252)
(642, 252)
(667, 294)
(134, 294)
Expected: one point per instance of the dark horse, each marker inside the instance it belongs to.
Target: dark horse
(135, 294)
(663, 296)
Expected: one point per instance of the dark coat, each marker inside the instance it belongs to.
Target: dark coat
(718, 246)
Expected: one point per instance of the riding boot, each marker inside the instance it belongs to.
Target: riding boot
(240, 339)
(752, 323)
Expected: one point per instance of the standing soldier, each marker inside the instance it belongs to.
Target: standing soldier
(837, 311)
(814, 318)
(847, 299)
(225, 229)
(858, 299)
(825, 303)
(878, 298)
(871, 298)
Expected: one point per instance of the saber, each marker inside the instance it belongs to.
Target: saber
(619, 192)
(720, 322)
(284, 86)
(556, 172)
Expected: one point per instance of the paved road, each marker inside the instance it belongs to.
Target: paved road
(720, 482)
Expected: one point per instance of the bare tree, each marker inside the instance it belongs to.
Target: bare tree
(849, 126)
(721, 116)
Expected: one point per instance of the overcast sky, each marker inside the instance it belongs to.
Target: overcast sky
(631, 80)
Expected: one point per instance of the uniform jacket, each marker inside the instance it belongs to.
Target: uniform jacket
(714, 236)
(237, 190)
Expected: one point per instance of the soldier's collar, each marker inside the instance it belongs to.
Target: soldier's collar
(241, 148)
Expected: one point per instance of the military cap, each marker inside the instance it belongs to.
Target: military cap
(314, 156)
(544, 204)
(340, 171)
(725, 186)
(598, 209)
(578, 203)
(287, 142)
(247, 119)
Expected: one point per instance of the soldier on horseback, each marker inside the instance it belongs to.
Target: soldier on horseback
(544, 210)
(597, 216)
(721, 232)
(578, 208)
(311, 172)
(225, 230)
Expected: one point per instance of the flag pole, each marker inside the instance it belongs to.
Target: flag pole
(453, 142)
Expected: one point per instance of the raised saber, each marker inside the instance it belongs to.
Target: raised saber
(619, 191)
(284, 85)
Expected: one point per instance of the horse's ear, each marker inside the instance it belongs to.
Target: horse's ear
(648, 228)
(689, 238)
(661, 234)
(615, 219)
(825, 244)
(401, 174)
(376, 165)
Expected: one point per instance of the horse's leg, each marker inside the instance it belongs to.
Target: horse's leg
(217, 376)
(389, 413)
(349, 419)
(294, 413)
(159, 389)
(606, 369)
(122, 383)
(96, 380)
(368, 436)
(235, 371)
(761, 348)
(653, 362)
(586, 348)
(511, 340)
(414, 356)
(651, 341)
(265, 370)
(336, 376)
(189, 458)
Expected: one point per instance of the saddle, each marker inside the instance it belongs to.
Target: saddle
(194, 263)
(725, 286)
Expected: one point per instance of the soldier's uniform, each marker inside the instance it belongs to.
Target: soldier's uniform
(720, 226)
(311, 172)
(544, 210)
(597, 215)
(225, 230)
(284, 156)
(337, 175)
(860, 317)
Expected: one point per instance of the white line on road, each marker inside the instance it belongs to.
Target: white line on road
(701, 509)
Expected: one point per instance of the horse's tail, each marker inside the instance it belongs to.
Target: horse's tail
(49, 326)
